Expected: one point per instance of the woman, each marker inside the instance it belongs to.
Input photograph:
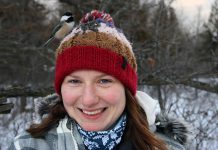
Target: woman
(97, 105)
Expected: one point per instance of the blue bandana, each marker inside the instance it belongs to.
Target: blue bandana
(103, 140)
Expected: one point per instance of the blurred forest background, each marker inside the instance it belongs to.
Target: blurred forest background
(177, 67)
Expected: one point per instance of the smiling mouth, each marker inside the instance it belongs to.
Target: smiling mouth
(93, 112)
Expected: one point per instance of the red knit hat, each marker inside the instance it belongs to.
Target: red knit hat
(96, 45)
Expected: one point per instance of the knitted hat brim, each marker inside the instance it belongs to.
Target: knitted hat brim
(94, 58)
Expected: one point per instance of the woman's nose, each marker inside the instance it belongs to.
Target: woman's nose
(90, 97)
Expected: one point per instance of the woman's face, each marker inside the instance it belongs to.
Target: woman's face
(94, 99)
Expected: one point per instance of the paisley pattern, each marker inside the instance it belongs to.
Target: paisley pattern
(103, 140)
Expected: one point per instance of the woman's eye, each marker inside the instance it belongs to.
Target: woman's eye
(105, 81)
(74, 81)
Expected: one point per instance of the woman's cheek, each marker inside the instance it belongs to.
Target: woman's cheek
(114, 96)
(68, 96)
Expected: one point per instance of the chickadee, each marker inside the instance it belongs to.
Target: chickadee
(62, 29)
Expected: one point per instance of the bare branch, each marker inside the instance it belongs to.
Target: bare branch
(201, 86)
(19, 91)
(152, 80)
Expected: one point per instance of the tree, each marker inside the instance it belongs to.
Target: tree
(208, 43)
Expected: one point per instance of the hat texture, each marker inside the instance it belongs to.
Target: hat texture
(96, 44)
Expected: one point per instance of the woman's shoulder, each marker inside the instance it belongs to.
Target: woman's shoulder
(171, 143)
(176, 133)
(26, 141)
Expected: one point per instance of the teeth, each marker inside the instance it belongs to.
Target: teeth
(92, 112)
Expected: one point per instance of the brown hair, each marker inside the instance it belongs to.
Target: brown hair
(137, 126)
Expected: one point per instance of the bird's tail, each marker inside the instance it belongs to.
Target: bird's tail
(48, 42)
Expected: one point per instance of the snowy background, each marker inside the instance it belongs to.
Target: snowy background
(175, 42)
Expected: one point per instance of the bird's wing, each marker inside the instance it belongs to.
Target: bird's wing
(56, 28)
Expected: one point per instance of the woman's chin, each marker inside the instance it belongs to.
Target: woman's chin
(93, 127)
